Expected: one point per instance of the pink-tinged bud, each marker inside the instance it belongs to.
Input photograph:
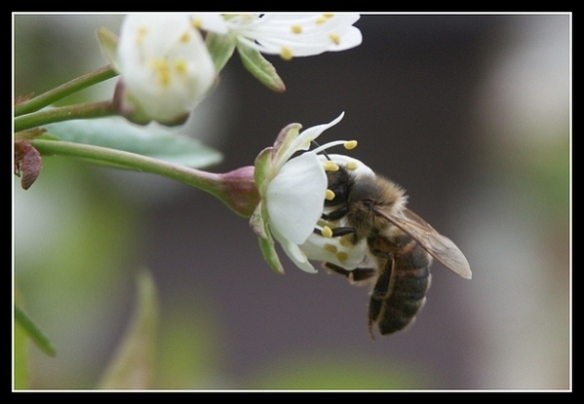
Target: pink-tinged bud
(27, 163)
(239, 190)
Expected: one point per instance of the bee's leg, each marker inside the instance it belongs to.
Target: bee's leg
(338, 232)
(336, 214)
(354, 275)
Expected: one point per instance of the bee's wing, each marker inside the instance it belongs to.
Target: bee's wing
(437, 245)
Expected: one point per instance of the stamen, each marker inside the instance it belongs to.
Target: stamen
(286, 53)
(180, 66)
(329, 195)
(184, 38)
(330, 248)
(335, 38)
(342, 256)
(330, 165)
(142, 31)
(344, 241)
(327, 232)
(350, 145)
(296, 29)
(197, 23)
(351, 165)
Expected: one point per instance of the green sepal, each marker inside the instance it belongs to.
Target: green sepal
(270, 254)
(260, 68)
(108, 42)
(221, 48)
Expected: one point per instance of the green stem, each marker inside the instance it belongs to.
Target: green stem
(236, 189)
(64, 90)
(78, 111)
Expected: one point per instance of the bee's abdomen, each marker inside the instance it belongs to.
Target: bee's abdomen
(400, 292)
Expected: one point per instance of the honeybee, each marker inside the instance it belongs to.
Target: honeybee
(400, 243)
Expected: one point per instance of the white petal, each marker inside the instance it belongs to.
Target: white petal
(294, 253)
(213, 22)
(302, 142)
(294, 199)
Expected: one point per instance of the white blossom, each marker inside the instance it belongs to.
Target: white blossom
(164, 64)
(291, 35)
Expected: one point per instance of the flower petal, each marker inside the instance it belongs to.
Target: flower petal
(302, 142)
(294, 253)
(295, 197)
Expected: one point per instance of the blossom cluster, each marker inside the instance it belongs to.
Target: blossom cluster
(169, 61)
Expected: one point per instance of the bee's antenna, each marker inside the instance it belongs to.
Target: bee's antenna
(315, 145)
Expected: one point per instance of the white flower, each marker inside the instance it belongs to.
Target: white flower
(290, 35)
(164, 64)
(292, 191)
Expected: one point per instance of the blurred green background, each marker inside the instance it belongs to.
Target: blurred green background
(469, 113)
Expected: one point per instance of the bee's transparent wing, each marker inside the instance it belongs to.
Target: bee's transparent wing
(437, 245)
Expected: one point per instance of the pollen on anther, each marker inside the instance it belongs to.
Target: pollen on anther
(296, 29)
(286, 53)
(350, 145)
(197, 23)
(142, 31)
(351, 165)
(342, 256)
(327, 232)
(329, 195)
(330, 248)
(344, 241)
(180, 66)
(184, 38)
(330, 166)
(335, 38)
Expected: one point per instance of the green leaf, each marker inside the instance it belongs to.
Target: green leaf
(132, 366)
(221, 48)
(151, 141)
(262, 70)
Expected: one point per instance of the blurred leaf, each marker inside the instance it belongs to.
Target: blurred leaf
(323, 372)
(132, 366)
(33, 331)
(261, 69)
(152, 141)
(20, 352)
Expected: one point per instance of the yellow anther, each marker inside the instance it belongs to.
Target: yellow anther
(342, 256)
(329, 195)
(197, 23)
(142, 31)
(296, 29)
(330, 248)
(184, 38)
(344, 241)
(180, 66)
(350, 145)
(351, 165)
(328, 15)
(320, 20)
(161, 68)
(286, 53)
(327, 232)
(330, 166)
(335, 38)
